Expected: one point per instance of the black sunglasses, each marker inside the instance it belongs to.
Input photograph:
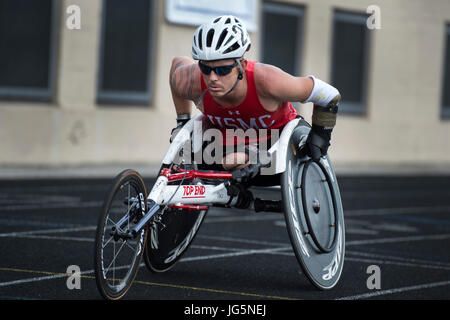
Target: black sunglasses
(220, 70)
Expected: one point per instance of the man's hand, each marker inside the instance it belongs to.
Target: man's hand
(181, 121)
(318, 142)
(323, 122)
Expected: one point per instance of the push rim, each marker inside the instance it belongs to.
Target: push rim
(311, 231)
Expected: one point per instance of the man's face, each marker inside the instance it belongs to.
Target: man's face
(217, 84)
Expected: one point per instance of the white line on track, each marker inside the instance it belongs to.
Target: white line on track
(380, 262)
(35, 279)
(59, 230)
(279, 250)
(196, 246)
(250, 252)
(396, 263)
(235, 254)
(404, 210)
(43, 237)
(187, 259)
(57, 189)
(396, 290)
(228, 218)
(398, 239)
(61, 205)
(402, 259)
(348, 243)
(249, 241)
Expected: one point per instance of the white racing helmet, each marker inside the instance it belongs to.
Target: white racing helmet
(226, 37)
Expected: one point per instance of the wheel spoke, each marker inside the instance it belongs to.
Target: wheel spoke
(129, 246)
(106, 243)
(113, 262)
(128, 209)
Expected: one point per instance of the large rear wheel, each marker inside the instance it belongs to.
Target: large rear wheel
(314, 215)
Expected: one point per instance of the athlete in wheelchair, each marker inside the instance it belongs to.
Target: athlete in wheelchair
(231, 93)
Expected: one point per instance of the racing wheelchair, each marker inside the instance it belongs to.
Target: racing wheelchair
(158, 227)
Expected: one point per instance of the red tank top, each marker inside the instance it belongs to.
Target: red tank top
(249, 114)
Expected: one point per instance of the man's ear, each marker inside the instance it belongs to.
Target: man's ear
(243, 63)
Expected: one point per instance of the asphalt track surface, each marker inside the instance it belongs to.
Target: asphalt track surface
(400, 224)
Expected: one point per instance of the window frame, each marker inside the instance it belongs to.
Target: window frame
(297, 11)
(360, 18)
(39, 94)
(123, 98)
(445, 109)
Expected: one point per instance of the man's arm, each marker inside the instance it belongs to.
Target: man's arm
(276, 85)
(280, 86)
(184, 84)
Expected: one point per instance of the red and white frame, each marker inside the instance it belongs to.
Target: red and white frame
(192, 196)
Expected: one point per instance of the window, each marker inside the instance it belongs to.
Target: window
(27, 49)
(126, 50)
(281, 36)
(446, 84)
(350, 59)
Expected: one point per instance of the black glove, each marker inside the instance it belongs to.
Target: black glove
(318, 142)
(181, 121)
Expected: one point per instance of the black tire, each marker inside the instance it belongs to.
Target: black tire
(314, 215)
(167, 242)
(117, 260)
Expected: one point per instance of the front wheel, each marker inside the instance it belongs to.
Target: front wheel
(117, 253)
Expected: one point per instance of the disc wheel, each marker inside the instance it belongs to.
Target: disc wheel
(314, 216)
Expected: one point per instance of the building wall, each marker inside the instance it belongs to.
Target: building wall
(402, 124)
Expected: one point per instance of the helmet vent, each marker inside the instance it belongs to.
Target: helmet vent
(221, 38)
(237, 29)
(200, 42)
(229, 40)
(228, 21)
(209, 37)
(232, 48)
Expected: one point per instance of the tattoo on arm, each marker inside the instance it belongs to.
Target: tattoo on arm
(184, 80)
(173, 80)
